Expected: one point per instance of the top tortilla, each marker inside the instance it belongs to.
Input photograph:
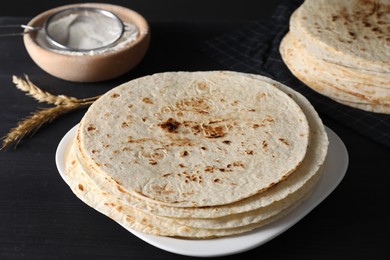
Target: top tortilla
(189, 139)
(352, 33)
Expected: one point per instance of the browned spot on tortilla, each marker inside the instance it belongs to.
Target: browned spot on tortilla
(130, 218)
(284, 141)
(227, 142)
(196, 129)
(260, 95)
(211, 131)
(195, 104)
(209, 168)
(91, 127)
(120, 189)
(147, 100)
(171, 125)
(238, 164)
(184, 153)
(202, 85)
(81, 187)
(152, 162)
(115, 95)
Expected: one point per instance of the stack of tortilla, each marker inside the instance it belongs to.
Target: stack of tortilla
(341, 49)
(197, 154)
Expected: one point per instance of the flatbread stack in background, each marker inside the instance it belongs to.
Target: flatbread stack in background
(197, 154)
(341, 49)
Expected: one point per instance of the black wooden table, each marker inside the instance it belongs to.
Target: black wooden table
(40, 218)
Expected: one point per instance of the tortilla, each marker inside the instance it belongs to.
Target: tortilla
(175, 138)
(108, 196)
(328, 80)
(340, 50)
(80, 180)
(134, 219)
(353, 33)
(308, 168)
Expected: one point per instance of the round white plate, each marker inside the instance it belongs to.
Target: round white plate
(335, 167)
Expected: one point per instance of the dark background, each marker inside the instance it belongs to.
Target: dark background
(166, 10)
(40, 218)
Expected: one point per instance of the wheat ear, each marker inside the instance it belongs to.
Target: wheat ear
(32, 123)
(42, 96)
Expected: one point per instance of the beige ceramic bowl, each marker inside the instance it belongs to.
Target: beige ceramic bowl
(96, 67)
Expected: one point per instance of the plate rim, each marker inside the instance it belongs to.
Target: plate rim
(337, 154)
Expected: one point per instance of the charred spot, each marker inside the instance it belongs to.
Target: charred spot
(115, 95)
(91, 127)
(217, 180)
(171, 125)
(227, 142)
(377, 30)
(184, 153)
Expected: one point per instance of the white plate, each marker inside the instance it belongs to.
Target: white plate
(335, 167)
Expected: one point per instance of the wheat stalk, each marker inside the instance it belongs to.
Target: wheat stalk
(42, 96)
(32, 123)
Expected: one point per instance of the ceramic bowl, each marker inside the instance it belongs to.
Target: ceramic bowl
(94, 67)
